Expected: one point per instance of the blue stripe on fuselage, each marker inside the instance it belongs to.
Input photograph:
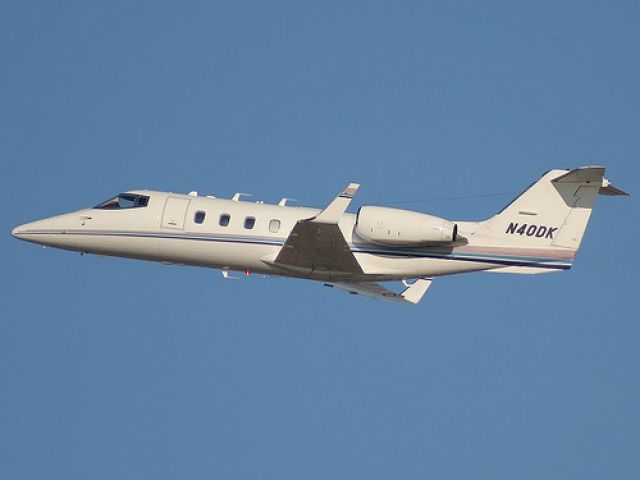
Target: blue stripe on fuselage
(399, 252)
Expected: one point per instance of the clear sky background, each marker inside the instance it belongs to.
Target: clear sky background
(113, 368)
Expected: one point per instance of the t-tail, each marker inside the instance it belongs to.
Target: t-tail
(541, 230)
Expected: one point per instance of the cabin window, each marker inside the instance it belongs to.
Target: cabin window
(274, 226)
(199, 216)
(249, 222)
(124, 200)
(225, 218)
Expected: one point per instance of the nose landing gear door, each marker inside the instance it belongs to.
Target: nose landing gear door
(175, 211)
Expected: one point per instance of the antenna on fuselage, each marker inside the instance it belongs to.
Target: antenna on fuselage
(283, 202)
(237, 196)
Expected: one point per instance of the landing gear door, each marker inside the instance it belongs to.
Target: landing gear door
(175, 211)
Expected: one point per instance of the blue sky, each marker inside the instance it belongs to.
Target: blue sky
(122, 369)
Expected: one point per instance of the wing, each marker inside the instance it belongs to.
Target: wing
(317, 246)
(412, 293)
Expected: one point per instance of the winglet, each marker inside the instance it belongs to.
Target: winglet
(414, 292)
(333, 212)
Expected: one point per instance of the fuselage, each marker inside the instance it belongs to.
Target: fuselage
(245, 236)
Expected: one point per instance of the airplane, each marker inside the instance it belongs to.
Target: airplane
(539, 231)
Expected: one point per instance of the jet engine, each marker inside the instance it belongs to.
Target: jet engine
(392, 226)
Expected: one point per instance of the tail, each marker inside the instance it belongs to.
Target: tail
(549, 218)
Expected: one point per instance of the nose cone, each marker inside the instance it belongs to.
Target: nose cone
(19, 231)
(31, 231)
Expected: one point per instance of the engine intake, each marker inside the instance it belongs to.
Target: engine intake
(393, 226)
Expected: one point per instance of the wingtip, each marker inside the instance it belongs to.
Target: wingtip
(351, 190)
(414, 292)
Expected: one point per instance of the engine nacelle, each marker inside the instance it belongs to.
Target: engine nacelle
(392, 226)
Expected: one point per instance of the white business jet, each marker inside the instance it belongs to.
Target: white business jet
(540, 231)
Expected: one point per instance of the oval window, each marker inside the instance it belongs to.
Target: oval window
(274, 226)
(199, 216)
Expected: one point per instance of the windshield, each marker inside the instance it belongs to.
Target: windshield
(124, 200)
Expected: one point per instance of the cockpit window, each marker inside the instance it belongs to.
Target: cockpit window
(124, 200)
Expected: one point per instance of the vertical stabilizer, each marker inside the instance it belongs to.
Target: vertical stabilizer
(552, 213)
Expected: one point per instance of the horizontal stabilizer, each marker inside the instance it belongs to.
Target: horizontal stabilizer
(586, 175)
(609, 189)
(581, 175)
